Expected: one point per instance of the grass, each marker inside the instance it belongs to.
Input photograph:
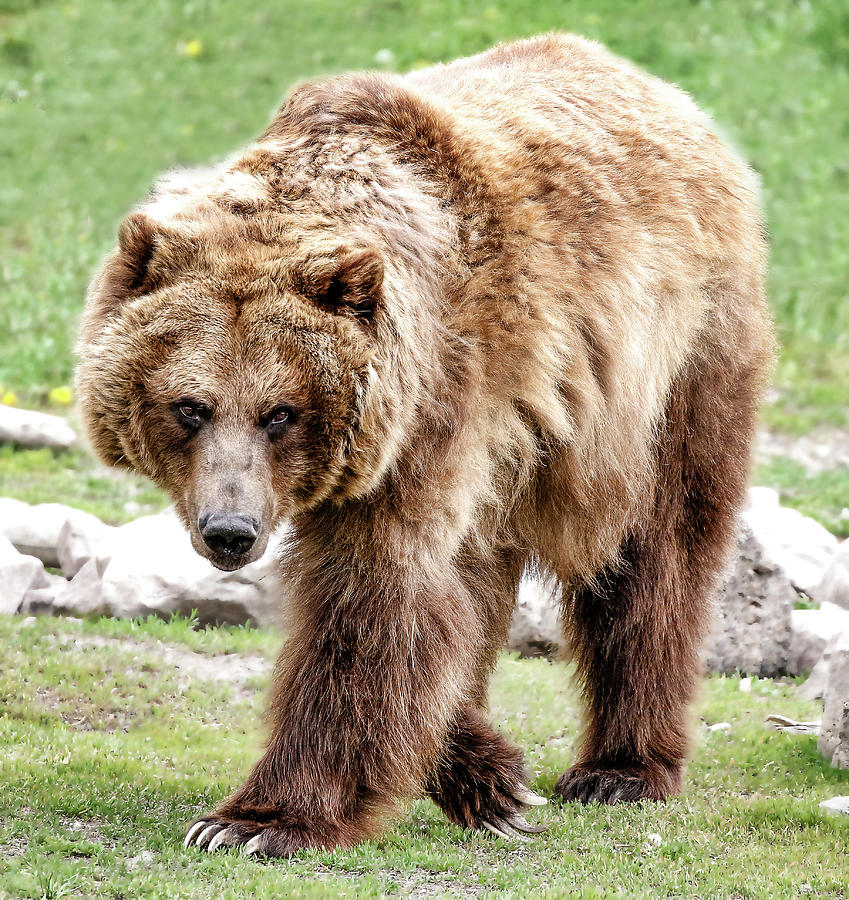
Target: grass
(824, 496)
(107, 751)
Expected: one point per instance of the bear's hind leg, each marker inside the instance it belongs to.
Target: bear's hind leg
(636, 632)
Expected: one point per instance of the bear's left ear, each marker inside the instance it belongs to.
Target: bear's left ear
(348, 284)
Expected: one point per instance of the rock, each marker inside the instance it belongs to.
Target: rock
(83, 594)
(81, 540)
(812, 631)
(815, 686)
(751, 632)
(836, 806)
(536, 628)
(801, 546)
(38, 601)
(35, 530)
(19, 574)
(35, 429)
(148, 567)
(834, 737)
(834, 587)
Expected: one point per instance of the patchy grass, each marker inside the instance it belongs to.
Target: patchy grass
(824, 496)
(77, 479)
(107, 750)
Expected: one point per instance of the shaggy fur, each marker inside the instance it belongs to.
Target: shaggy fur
(512, 310)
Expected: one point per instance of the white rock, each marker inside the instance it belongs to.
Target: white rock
(834, 587)
(536, 628)
(834, 737)
(814, 687)
(836, 806)
(35, 530)
(751, 630)
(35, 429)
(18, 574)
(150, 568)
(801, 546)
(83, 594)
(811, 632)
(82, 539)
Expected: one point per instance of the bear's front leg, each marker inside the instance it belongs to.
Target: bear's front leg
(364, 690)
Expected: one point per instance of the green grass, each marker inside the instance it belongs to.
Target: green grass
(824, 496)
(97, 98)
(107, 751)
(76, 479)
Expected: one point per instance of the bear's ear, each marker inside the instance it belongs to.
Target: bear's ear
(136, 244)
(349, 284)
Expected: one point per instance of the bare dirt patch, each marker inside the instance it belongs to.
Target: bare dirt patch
(233, 669)
(818, 451)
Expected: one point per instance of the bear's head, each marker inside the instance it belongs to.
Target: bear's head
(227, 350)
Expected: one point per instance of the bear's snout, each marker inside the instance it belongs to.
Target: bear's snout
(228, 535)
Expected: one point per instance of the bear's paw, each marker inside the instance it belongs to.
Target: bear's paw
(586, 784)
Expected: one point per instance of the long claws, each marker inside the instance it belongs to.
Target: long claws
(504, 829)
(225, 838)
(497, 831)
(521, 823)
(255, 845)
(529, 797)
(198, 826)
(208, 833)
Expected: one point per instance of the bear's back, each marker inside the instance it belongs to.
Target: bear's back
(569, 108)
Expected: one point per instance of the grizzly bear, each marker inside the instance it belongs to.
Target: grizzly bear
(492, 315)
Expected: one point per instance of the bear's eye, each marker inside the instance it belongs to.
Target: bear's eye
(278, 420)
(190, 413)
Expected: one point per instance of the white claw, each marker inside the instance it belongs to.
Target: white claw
(528, 797)
(497, 831)
(187, 841)
(254, 845)
(221, 839)
(207, 833)
(520, 823)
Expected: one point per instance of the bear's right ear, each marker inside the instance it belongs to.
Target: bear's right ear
(126, 272)
(135, 242)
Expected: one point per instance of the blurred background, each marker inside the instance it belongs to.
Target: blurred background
(99, 96)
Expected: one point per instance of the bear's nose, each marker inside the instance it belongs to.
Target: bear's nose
(228, 534)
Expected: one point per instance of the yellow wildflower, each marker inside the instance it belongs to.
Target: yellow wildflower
(61, 395)
(193, 48)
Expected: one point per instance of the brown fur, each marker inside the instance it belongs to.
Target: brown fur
(514, 307)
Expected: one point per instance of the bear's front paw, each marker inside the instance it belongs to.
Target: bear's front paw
(261, 838)
(598, 785)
